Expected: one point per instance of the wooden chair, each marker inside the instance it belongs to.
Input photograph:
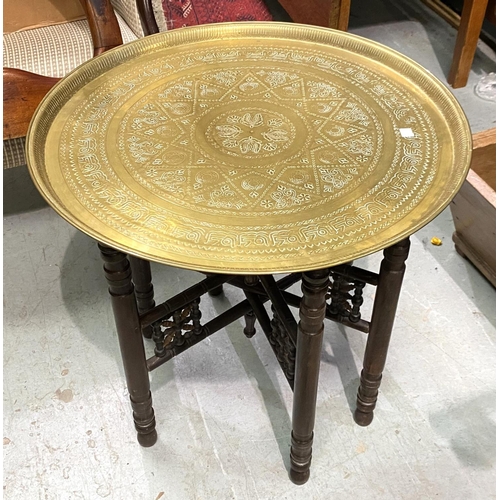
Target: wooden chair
(23, 90)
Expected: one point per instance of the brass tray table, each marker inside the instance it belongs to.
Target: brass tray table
(244, 150)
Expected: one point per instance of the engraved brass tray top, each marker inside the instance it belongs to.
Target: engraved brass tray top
(249, 147)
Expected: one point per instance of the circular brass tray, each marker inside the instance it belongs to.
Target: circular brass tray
(249, 147)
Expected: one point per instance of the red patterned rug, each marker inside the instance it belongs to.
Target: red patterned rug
(179, 13)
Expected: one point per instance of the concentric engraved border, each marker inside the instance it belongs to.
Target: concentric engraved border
(438, 96)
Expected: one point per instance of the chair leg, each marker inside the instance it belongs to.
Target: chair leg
(307, 362)
(119, 277)
(144, 292)
(471, 21)
(391, 275)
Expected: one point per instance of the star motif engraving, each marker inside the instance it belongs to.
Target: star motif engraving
(251, 118)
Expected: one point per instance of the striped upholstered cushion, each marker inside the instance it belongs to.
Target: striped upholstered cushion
(53, 50)
(13, 153)
(49, 51)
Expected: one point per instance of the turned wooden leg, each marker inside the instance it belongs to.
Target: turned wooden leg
(144, 292)
(307, 361)
(391, 275)
(119, 277)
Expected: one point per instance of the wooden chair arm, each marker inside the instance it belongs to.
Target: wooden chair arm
(22, 93)
(103, 25)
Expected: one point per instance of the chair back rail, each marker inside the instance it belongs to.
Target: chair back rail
(103, 25)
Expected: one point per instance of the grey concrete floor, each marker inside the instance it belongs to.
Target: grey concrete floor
(223, 408)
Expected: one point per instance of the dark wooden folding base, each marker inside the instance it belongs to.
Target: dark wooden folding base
(175, 325)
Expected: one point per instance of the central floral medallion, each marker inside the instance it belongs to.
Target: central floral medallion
(243, 142)
(251, 133)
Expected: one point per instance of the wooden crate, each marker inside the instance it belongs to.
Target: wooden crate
(474, 208)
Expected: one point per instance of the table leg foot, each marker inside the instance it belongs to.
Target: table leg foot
(147, 440)
(363, 419)
(144, 420)
(391, 275)
(119, 277)
(366, 399)
(300, 459)
(307, 362)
